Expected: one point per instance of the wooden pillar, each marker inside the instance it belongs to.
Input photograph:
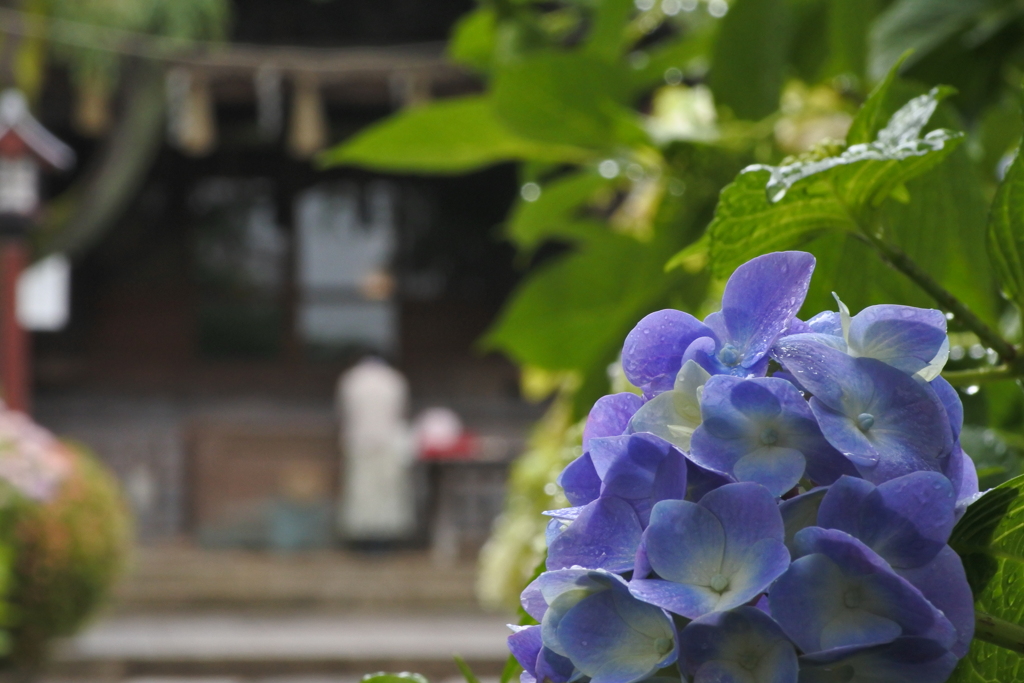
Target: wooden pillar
(15, 343)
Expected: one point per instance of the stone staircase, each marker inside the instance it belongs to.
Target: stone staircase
(183, 614)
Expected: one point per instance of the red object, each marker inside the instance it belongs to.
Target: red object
(14, 340)
(465, 448)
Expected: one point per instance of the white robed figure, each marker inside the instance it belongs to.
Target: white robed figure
(378, 502)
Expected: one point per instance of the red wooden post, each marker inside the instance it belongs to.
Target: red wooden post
(15, 344)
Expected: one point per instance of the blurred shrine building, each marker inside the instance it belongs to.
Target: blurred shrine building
(211, 319)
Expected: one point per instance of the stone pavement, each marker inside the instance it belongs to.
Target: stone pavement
(284, 648)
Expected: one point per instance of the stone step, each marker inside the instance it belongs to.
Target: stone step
(247, 646)
(188, 578)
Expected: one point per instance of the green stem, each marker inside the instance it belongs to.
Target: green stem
(960, 378)
(899, 260)
(998, 632)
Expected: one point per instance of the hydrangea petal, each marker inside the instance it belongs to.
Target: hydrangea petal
(688, 600)
(614, 638)
(906, 520)
(674, 414)
(580, 481)
(859, 583)
(700, 558)
(762, 430)
(951, 402)
(610, 416)
(761, 297)
(865, 407)
(944, 583)
(801, 512)
(653, 350)
(911, 339)
(604, 536)
(743, 644)
(905, 659)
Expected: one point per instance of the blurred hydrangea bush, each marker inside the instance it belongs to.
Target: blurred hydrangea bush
(65, 532)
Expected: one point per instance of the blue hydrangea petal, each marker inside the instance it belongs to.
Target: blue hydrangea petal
(950, 399)
(879, 596)
(538, 662)
(705, 353)
(762, 430)
(604, 536)
(525, 645)
(627, 464)
(752, 571)
(911, 339)
(653, 350)
(944, 583)
(614, 638)
(964, 475)
(684, 599)
(826, 322)
(700, 481)
(761, 297)
(743, 644)
(807, 600)
(905, 659)
(780, 469)
(905, 419)
(842, 432)
(640, 468)
(841, 507)
(829, 340)
(580, 481)
(553, 667)
(801, 512)
(907, 520)
(532, 600)
(748, 513)
(685, 542)
(610, 416)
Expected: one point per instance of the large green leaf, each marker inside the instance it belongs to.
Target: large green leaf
(921, 26)
(746, 224)
(555, 211)
(1006, 233)
(749, 59)
(940, 229)
(450, 136)
(567, 98)
(804, 199)
(990, 540)
(573, 313)
(607, 37)
(473, 38)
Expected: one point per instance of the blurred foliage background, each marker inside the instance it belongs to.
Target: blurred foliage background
(626, 118)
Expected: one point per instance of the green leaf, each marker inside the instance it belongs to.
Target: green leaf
(939, 229)
(677, 53)
(511, 670)
(565, 97)
(450, 136)
(918, 25)
(848, 23)
(573, 314)
(807, 198)
(746, 224)
(607, 37)
(749, 58)
(465, 670)
(403, 677)
(873, 116)
(473, 38)
(1006, 233)
(555, 211)
(990, 541)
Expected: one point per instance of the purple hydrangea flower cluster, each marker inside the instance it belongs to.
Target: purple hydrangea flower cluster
(774, 508)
